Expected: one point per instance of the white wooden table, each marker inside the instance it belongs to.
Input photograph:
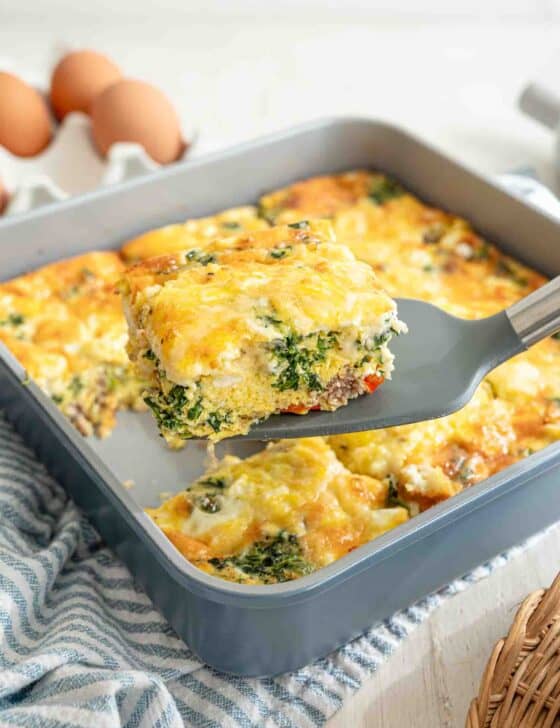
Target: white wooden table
(453, 79)
(432, 677)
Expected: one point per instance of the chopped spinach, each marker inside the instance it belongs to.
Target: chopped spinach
(217, 419)
(70, 292)
(208, 503)
(505, 268)
(194, 412)
(149, 354)
(364, 360)
(433, 234)
(14, 319)
(167, 409)
(199, 257)
(326, 342)
(556, 336)
(466, 474)
(482, 252)
(380, 339)
(281, 252)
(76, 385)
(268, 214)
(383, 190)
(301, 225)
(275, 559)
(57, 398)
(177, 396)
(269, 320)
(214, 482)
(393, 498)
(114, 377)
(176, 409)
(376, 342)
(231, 225)
(296, 361)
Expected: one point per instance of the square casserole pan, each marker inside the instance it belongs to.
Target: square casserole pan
(265, 630)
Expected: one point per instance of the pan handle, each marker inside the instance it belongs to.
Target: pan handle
(537, 315)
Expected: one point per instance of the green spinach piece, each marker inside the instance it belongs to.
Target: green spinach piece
(14, 319)
(217, 419)
(393, 498)
(214, 482)
(269, 320)
(76, 385)
(279, 253)
(297, 360)
(208, 503)
(505, 268)
(383, 190)
(275, 559)
(194, 412)
(199, 257)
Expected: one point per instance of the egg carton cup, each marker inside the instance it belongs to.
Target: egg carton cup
(72, 165)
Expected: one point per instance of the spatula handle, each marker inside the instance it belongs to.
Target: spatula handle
(537, 315)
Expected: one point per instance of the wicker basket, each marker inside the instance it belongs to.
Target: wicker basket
(521, 684)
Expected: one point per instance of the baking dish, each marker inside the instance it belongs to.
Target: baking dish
(264, 630)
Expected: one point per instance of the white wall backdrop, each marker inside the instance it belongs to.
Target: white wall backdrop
(529, 9)
(449, 69)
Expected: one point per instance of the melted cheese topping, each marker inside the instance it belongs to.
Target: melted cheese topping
(65, 325)
(193, 233)
(296, 487)
(226, 323)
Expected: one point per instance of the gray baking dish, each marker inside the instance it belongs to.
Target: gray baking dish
(271, 629)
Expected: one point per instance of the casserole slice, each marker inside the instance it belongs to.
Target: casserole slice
(279, 320)
(278, 515)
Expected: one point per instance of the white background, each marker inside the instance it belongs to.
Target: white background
(449, 70)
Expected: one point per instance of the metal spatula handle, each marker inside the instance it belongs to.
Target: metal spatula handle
(537, 315)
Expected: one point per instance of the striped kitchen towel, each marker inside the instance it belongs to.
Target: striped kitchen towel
(82, 646)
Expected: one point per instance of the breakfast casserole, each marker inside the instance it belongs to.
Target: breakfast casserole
(65, 325)
(298, 505)
(284, 320)
(277, 515)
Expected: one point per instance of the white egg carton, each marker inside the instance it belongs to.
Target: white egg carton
(71, 165)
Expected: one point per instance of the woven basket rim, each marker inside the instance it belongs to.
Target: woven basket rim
(520, 685)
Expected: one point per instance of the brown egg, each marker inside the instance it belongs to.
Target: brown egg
(135, 111)
(78, 78)
(25, 125)
(4, 197)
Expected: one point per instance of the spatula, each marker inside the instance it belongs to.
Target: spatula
(438, 366)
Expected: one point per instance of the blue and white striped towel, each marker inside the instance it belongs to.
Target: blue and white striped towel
(81, 646)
